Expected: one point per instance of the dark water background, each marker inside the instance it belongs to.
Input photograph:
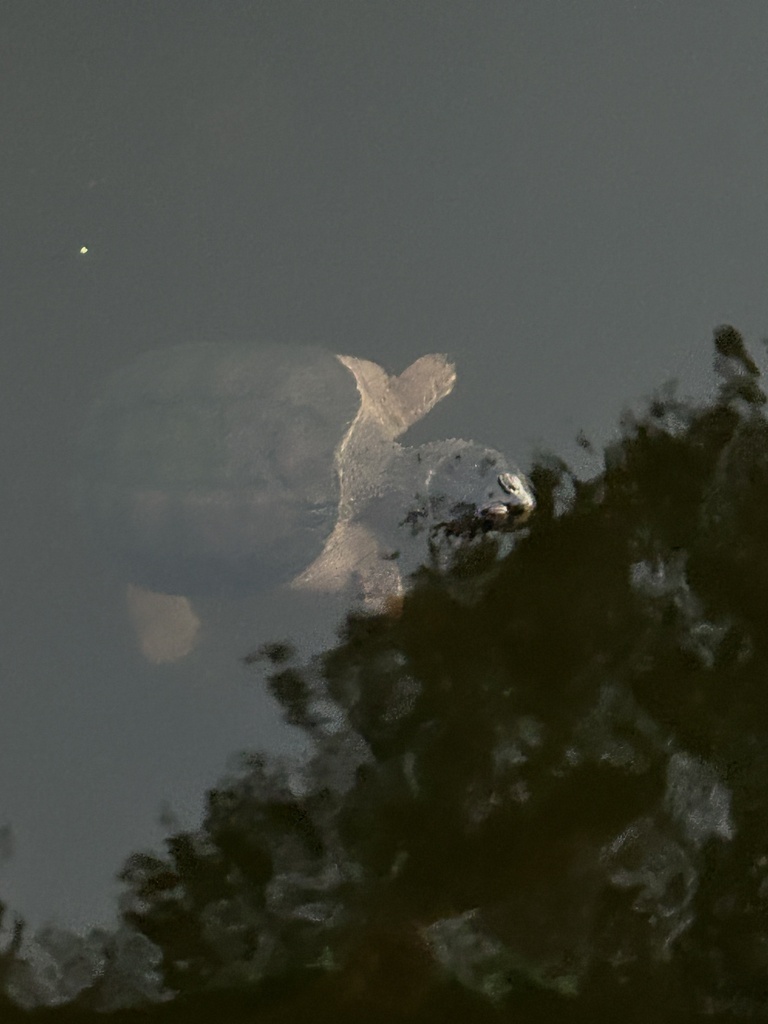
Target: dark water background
(561, 807)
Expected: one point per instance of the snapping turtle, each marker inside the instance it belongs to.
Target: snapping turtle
(218, 469)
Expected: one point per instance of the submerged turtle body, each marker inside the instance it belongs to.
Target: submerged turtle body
(210, 469)
(221, 469)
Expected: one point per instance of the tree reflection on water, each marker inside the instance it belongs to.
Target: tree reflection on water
(537, 789)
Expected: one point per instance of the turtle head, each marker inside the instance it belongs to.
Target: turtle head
(513, 508)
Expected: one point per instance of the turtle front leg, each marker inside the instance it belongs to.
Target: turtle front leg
(395, 403)
(422, 385)
(353, 553)
(166, 625)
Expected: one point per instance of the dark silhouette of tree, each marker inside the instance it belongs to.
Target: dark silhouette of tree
(542, 780)
(537, 790)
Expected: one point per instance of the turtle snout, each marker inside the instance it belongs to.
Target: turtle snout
(515, 509)
(523, 500)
